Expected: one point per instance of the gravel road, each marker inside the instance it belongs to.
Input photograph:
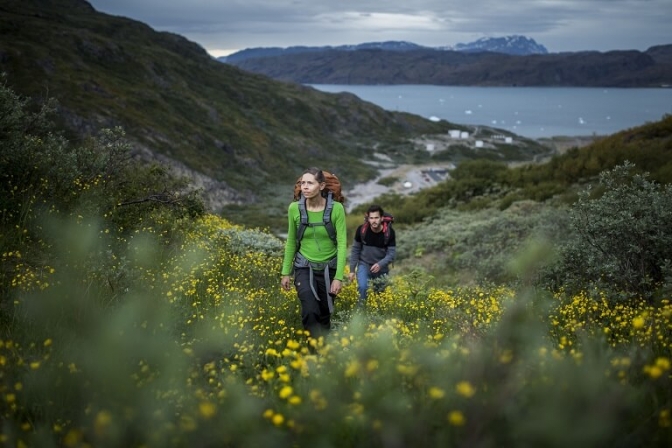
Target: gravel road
(411, 178)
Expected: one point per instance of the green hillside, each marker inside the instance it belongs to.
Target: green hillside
(174, 100)
(240, 137)
(489, 183)
(467, 228)
(244, 137)
(130, 318)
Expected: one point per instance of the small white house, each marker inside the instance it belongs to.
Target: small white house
(430, 147)
(454, 133)
(464, 134)
(479, 143)
(508, 140)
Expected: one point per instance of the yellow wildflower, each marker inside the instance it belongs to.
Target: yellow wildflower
(278, 419)
(436, 393)
(653, 371)
(352, 369)
(293, 345)
(103, 422)
(456, 418)
(207, 409)
(663, 363)
(638, 322)
(465, 389)
(286, 392)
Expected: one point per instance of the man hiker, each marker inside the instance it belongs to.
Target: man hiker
(372, 252)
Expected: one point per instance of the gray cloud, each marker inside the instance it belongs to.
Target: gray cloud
(560, 25)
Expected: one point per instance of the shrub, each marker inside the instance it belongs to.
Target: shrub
(43, 175)
(461, 247)
(623, 239)
(388, 181)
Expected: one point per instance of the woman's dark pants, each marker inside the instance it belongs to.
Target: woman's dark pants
(315, 314)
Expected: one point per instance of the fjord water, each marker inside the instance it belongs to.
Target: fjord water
(533, 112)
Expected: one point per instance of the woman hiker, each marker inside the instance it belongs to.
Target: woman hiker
(316, 248)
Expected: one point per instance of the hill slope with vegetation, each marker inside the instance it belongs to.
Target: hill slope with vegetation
(129, 316)
(468, 227)
(178, 105)
(240, 137)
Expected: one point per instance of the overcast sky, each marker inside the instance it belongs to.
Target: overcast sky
(225, 26)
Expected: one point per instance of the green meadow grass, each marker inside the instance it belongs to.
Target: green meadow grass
(201, 347)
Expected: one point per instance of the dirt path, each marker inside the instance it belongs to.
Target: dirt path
(410, 179)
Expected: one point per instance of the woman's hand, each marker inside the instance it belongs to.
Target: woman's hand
(336, 287)
(286, 282)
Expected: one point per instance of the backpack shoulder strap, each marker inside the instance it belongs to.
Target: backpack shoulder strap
(326, 220)
(364, 228)
(386, 232)
(303, 223)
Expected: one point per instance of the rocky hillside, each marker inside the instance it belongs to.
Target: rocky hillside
(235, 133)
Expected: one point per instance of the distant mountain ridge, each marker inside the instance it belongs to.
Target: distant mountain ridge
(263, 52)
(471, 67)
(517, 45)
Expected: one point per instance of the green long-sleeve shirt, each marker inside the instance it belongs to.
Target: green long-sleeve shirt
(316, 245)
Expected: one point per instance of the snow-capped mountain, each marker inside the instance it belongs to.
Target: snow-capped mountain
(516, 45)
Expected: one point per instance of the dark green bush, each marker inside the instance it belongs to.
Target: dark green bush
(44, 176)
(388, 181)
(481, 169)
(622, 244)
